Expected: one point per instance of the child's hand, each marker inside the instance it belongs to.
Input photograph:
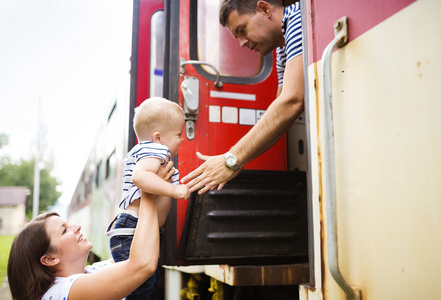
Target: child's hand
(181, 192)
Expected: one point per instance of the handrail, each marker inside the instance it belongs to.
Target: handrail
(341, 38)
(218, 83)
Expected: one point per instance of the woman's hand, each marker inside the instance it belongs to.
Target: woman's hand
(166, 171)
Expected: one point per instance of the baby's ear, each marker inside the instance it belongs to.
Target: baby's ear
(49, 261)
(157, 137)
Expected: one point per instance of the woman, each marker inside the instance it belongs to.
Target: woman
(48, 257)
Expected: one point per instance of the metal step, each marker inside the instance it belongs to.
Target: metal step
(260, 217)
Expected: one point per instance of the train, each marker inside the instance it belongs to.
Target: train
(344, 206)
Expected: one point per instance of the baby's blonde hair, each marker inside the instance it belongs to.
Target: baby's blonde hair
(154, 114)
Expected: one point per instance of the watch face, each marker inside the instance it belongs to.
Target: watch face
(231, 161)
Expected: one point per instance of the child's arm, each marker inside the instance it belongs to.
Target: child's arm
(146, 179)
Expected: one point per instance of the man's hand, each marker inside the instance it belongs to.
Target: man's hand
(210, 174)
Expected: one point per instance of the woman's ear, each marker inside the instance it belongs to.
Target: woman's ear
(157, 137)
(47, 260)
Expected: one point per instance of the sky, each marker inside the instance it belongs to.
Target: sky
(60, 60)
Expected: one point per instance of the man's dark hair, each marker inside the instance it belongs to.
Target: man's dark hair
(242, 7)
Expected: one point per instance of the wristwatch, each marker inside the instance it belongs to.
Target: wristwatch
(231, 161)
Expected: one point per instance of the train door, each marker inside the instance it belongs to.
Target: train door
(375, 148)
(223, 88)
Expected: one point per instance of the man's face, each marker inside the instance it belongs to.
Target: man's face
(253, 31)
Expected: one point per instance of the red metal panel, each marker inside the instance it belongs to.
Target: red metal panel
(362, 16)
(222, 136)
(146, 10)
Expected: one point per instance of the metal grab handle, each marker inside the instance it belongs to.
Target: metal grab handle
(341, 39)
(218, 83)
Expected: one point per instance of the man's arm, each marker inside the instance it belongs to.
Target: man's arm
(279, 90)
(274, 123)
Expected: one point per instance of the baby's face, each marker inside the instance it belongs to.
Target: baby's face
(172, 138)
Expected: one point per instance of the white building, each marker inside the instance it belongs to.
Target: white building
(12, 209)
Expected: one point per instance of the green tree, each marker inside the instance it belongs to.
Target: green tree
(22, 174)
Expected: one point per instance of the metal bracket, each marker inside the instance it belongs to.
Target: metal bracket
(341, 32)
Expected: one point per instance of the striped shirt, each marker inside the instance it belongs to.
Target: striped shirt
(292, 31)
(143, 150)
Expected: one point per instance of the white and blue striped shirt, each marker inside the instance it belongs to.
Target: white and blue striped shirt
(292, 31)
(142, 150)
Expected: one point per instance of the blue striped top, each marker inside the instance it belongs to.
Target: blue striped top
(142, 150)
(292, 31)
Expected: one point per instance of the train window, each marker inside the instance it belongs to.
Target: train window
(84, 190)
(157, 54)
(99, 177)
(112, 112)
(89, 184)
(216, 45)
(111, 165)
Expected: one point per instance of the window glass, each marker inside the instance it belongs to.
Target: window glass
(217, 46)
(111, 165)
(157, 54)
(99, 177)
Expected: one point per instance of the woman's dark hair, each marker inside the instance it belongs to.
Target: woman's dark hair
(28, 278)
(242, 7)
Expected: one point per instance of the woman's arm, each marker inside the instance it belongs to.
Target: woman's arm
(120, 279)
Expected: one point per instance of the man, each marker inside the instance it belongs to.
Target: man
(261, 26)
